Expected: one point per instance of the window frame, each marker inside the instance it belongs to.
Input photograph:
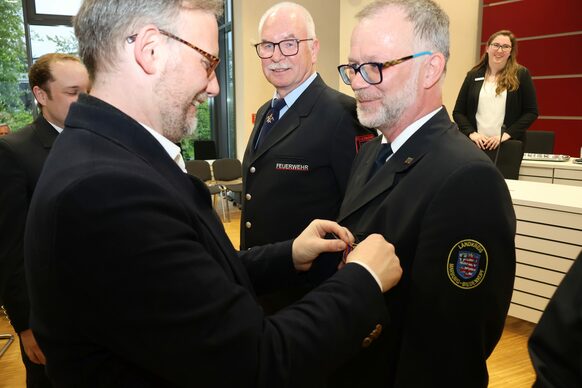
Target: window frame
(223, 127)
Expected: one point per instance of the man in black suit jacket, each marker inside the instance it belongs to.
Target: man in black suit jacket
(56, 80)
(299, 170)
(437, 198)
(146, 288)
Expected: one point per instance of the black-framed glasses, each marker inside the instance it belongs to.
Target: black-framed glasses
(503, 47)
(288, 47)
(213, 61)
(372, 71)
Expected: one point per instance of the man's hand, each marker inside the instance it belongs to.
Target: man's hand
(311, 242)
(31, 347)
(379, 256)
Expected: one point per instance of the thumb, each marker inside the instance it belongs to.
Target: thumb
(334, 245)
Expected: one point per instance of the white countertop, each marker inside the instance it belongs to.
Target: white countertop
(569, 164)
(546, 195)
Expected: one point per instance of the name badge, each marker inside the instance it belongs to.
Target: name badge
(480, 79)
(292, 167)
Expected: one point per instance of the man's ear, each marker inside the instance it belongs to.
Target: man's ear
(148, 50)
(434, 69)
(314, 50)
(40, 95)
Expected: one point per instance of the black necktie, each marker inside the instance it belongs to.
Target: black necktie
(384, 151)
(271, 119)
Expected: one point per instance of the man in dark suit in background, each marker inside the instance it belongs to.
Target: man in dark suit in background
(4, 129)
(134, 282)
(295, 169)
(56, 81)
(438, 198)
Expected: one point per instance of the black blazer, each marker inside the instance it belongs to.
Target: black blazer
(134, 282)
(521, 107)
(22, 155)
(437, 191)
(301, 171)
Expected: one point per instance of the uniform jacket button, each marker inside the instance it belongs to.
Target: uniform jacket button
(366, 342)
(248, 225)
(248, 197)
(252, 170)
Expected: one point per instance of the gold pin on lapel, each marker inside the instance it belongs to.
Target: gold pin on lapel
(408, 160)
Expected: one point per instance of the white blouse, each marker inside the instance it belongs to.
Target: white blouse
(491, 109)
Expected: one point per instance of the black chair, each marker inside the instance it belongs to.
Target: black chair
(508, 158)
(228, 173)
(201, 170)
(205, 150)
(539, 142)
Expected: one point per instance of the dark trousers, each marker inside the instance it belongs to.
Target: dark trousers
(35, 373)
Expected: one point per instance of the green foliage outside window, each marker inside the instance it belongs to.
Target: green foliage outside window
(12, 66)
(202, 131)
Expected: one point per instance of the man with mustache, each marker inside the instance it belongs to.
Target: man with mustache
(133, 280)
(299, 154)
(438, 198)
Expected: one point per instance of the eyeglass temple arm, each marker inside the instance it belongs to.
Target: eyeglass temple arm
(400, 60)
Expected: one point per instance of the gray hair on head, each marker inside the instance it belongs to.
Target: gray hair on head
(431, 23)
(307, 18)
(102, 26)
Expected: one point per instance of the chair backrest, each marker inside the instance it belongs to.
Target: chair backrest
(204, 149)
(539, 142)
(200, 169)
(508, 158)
(227, 169)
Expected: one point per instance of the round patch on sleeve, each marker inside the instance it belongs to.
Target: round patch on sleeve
(467, 264)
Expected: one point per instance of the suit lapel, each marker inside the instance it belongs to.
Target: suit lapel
(478, 84)
(361, 191)
(45, 132)
(259, 120)
(290, 120)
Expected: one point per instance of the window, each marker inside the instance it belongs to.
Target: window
(15, 98)
(44, 26)
(51, 39)
(52, 7)
(216, 120)
(224, 115)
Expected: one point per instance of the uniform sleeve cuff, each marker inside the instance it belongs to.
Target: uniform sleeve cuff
(376, 278)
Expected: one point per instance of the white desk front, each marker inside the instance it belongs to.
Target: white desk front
(548, 239)
(563, 173)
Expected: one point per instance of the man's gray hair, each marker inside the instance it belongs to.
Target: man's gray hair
(102, 26)
(307, 18)
(431, 23)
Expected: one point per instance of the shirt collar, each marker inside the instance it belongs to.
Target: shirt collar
(294, 94)
(56, 127)
(409, 131)
(172, 149)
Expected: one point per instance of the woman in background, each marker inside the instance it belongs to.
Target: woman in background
(497, 93)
